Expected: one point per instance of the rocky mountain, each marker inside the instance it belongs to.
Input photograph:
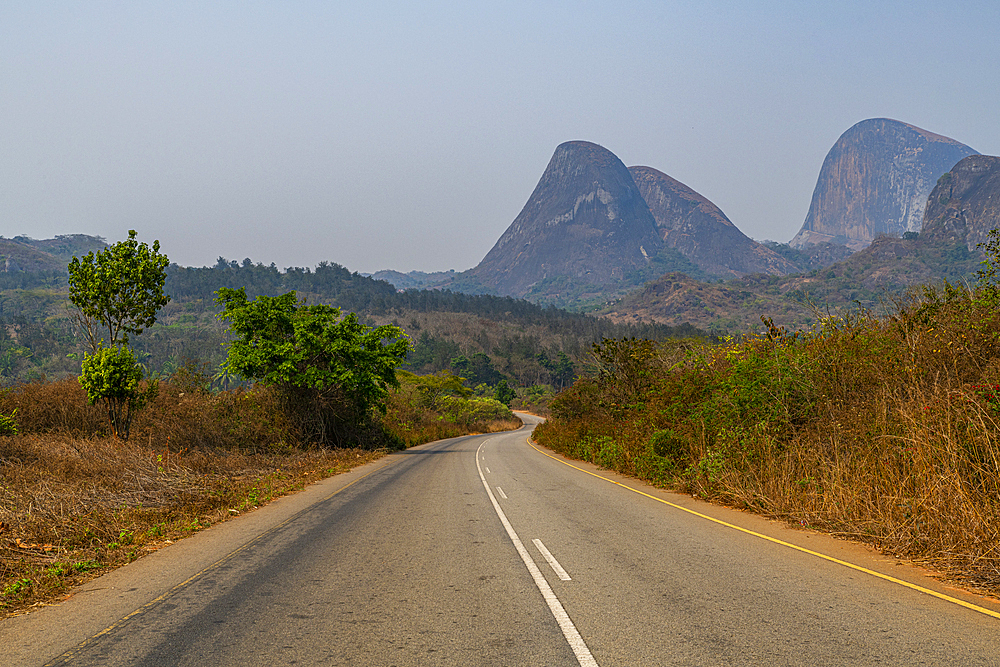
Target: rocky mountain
(965, 204)
(593, 228)
(585, 222)
(959, 214)
(876, 180)
(697, 228)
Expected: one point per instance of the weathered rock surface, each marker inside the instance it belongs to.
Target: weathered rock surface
(585, 220)
(876, 180)
(965, 203)
(698, 229)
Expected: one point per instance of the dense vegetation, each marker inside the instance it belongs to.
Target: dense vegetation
(885, 429)
(529, 346)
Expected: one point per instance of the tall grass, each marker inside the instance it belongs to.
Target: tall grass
(885, 430)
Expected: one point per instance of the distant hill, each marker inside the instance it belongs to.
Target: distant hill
(414, 279)
(811, 257)
(66, 246)
(522, 341)
(697, 228)
(876, 180)
(870, 278)
(26, 254)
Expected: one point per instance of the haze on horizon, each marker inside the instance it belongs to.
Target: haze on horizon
(409, 137)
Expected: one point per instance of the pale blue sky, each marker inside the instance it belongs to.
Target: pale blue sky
(409, 135)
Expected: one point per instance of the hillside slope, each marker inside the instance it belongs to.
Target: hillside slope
(697, 228)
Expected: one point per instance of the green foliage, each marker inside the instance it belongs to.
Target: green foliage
(430, 388)
(988, 275)
(8, 426)
(120, 288)
(473, 410)
(112, 375)
(477, 369)
(504, 393)
(333, 371)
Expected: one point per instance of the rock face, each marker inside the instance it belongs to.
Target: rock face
(585, 220)
(698, 229)
(965, 203)
(875, 180)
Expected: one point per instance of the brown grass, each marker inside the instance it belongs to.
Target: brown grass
(72, 508)
(74, 502)
(884, 430)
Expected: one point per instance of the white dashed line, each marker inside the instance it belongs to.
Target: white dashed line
(572, 635)
(551, 560)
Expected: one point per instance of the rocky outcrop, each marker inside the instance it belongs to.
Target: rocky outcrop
(876, 180)
(585, 221)
(701, 232)
(965, 203)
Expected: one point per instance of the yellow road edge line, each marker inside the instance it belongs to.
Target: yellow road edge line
(68, 655)
(886, 577)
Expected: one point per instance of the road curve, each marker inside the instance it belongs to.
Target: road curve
(484, 550)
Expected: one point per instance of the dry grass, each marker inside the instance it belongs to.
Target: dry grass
(75, 502)
(884, 430)
(72, 508)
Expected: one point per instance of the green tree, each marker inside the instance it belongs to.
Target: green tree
(334, 372)
(477, 369)
(119, 288)
(504, 393)
(113, 375)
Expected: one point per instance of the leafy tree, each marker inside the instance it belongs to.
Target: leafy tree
(119, 288)
(477, 369)
(113, 375)
(504, 393)
(563, 371)
(333, 371)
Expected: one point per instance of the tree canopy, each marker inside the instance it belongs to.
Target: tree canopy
(120, 287)
(336, 369)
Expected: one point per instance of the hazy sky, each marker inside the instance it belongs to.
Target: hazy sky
(408, 135)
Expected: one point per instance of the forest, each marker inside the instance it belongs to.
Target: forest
(482, 338)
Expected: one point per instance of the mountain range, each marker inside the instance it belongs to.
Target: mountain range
(959, 213)
(593, 232)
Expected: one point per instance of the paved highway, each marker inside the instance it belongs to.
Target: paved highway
(483, 550)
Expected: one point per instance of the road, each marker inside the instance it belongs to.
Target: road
(484, 550)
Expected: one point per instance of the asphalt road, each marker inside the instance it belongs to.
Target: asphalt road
(483, 550)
